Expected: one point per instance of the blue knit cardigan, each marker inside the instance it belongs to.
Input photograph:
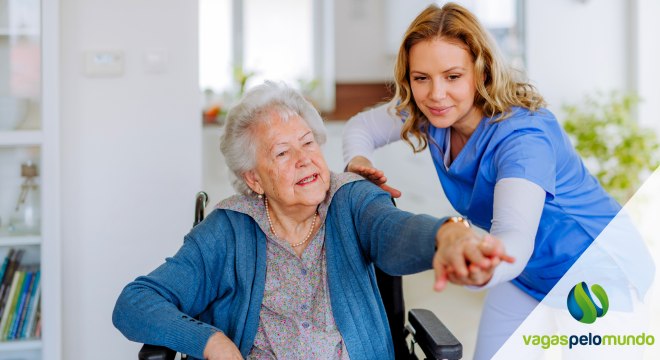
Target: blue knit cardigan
(219, 274)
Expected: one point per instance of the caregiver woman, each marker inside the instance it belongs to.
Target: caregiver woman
(501, 157)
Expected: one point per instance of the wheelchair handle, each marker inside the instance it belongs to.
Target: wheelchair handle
(200, 203)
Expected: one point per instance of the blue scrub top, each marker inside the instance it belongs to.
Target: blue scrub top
(531, 146)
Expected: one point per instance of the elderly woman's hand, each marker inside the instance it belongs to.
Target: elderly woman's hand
(220, 347)
(493, 250)
(463, 258)
(362, 166)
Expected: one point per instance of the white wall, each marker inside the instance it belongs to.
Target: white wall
(648, 74)
(360, 42)
(131, 159)
(576, 47)
(581, 47)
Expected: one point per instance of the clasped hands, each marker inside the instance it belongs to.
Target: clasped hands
(464, 258)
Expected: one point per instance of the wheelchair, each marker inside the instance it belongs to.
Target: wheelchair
(424, 328)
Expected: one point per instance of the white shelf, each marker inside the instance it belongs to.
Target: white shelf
(19, 240)
(20, 138)
(19, 345)
(20, 32)
(44, 248)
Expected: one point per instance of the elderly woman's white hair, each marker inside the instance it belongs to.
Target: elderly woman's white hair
(238, 143)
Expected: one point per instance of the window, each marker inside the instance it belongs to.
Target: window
(502, 18)
(215, 44)
(266, 39)
(278, 40)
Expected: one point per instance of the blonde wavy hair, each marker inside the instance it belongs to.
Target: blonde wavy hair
(496, 94)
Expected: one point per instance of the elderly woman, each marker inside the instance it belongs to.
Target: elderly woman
(284, 269)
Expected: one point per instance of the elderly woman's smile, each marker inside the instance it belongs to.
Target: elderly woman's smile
(308, 180)
(290, 168)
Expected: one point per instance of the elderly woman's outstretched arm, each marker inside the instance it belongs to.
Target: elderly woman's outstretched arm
(398, 242)
(401, 243)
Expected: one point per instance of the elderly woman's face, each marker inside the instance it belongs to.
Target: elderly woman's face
(290, 169)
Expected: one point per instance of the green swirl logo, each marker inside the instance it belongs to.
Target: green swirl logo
(582, 306)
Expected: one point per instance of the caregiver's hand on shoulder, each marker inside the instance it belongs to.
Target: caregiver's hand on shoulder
(464, 258)
(220, 347)
(362, 166)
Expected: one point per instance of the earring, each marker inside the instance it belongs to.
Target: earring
(260, 196)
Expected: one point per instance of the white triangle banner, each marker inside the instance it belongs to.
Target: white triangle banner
(607, 305)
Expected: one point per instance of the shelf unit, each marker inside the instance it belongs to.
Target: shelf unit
(21, 138)
(42, 146)
(19, 241)
(20, 346)
(20, 32)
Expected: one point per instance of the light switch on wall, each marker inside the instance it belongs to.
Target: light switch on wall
(155, 61)
(104, 63)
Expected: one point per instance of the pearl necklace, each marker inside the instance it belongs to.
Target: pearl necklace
(272, 229)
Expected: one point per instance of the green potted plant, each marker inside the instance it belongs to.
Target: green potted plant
(614, 147)
(217, 104)
(241, 77)
(310, 90)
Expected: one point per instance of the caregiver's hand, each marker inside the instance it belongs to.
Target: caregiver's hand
(491, 248)
(362, 166)
(464, 258)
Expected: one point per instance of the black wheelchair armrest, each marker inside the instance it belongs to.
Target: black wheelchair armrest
(153, 352)
(433, 337)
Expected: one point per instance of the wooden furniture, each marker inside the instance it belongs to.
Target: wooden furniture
(350, 99)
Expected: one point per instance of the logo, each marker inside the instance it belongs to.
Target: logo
(582, 306)
(584, 309)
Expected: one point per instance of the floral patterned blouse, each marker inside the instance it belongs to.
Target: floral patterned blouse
(296, 320)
